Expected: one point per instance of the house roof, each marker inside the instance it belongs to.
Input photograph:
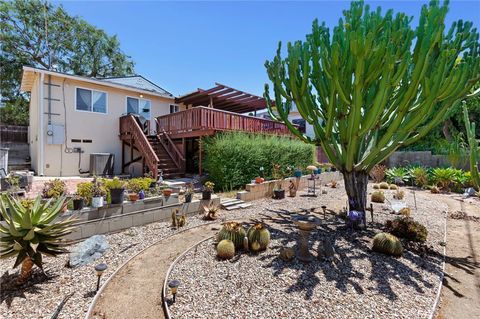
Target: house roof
(134, 83)
(224, 98)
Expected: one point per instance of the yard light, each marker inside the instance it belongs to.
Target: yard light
(100, 268)
(324, 208)
(173, 285)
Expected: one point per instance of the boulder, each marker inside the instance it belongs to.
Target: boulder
(88, 251)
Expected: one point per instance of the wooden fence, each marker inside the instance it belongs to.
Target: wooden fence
(13, 134)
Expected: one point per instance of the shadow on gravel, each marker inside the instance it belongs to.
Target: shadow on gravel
(349, 246)
(9, 289)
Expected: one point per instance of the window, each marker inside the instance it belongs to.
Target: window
(301, 123)
(138, 106)
(174, 108)
(91, 101)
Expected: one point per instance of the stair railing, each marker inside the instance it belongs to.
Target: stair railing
(172, 150)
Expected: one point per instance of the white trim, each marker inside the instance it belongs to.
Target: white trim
(41, 125)
(97, 82)
(138, 98)
(91, 90)
(176, 106)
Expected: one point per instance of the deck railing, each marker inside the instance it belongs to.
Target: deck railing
(170, 147)
(130, 126)
(203, 118)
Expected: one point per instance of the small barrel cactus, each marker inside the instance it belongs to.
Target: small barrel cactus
(393, 186)
(384, 185)
(258, 237)
(378, 197)
(376, 186)
(232, 231)
(406, 211)
(225, 249)
(387, 244)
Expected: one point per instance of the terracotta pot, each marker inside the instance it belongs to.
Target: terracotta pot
(133, 197)
(278, 194)
(259, 180)
(167, 192)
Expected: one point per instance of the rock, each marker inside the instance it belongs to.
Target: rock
(287, 253)
(325, 250)
(88, 251)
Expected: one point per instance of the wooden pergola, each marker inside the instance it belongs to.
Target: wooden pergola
(225, 98)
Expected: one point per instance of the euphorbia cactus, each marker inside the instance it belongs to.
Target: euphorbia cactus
(374, 84)
(474, 148)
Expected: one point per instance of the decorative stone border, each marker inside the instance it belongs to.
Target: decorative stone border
(265, 189)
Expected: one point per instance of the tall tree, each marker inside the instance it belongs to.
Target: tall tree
(374, 84)
(39, 34)
(474, 148)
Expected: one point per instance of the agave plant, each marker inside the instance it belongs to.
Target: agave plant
(31, 232)
(444, 177)
(419, 175)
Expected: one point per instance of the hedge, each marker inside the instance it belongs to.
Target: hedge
(234, 159)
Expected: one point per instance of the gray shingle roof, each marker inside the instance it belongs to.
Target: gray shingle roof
(139, 82)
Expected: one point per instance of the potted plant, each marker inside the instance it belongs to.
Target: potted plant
(189, 193)
(278, 175)
(55, 188)
(134, 188)
(116, 188)
(166, 191)
(85, 191)
(260, 179)
(207, 190)
(98, 191)
(78, 202)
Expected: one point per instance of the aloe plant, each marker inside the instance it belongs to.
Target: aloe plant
(31, 232)
(373, 84)
(474, 148)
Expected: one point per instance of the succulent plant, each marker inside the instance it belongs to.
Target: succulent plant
(406, 212)
(178, 220)
(406, 227)
(225, 249)
(258, 237)
(434, 190)
(378, 197)
(393, 186)
(210, 212)
(376, 186)
(31, 232)
(399, 194)
(54, 188)
(232, 231)
(387, 244)
(287, 253)
(384, 185)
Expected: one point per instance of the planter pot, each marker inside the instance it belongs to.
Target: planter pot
(167, 192)
(133, 197)
(97, 202)
(292, 193)
(334, 169)
(78, 204)
(297, 174)
(188, 198)
(278, 194)
(116, 195)
(141, 194)
(259, 180)
(206, 195)
(153, 184)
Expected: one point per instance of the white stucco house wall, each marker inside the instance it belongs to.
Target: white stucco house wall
(72, 117)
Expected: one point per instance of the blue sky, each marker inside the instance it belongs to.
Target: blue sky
(185, 45)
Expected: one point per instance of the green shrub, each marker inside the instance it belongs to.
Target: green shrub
(114, 183)
(406, 227)
(54, 188)
(138, 184)
(234, 159)
(444, 177)
(419, 175)
(85, 191)
(397, 174)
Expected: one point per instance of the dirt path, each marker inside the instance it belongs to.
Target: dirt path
(460, 296)
(140, 282)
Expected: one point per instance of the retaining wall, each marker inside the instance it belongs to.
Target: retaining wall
(425, 158)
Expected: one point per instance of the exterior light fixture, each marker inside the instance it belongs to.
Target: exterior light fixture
(99, 269)
(173, 285)
(324, 208)
(141, 95)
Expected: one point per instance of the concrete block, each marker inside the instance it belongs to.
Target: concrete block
(133, 206)
(120, 222)
(138, 219)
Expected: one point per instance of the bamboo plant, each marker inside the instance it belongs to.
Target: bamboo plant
(474, 148)
(373, 84)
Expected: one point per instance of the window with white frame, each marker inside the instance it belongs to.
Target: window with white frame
(138, 106)
(174, 108)
(91, 101)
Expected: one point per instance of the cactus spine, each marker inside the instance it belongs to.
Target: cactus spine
(225, 249)
(373, 84)
(232, 231)
(474, 148)
(258, 237)
(387, 244)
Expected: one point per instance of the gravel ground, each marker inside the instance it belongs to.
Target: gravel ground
(358, 284)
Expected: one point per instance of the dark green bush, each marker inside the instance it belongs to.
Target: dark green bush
(234, 159)
(407, 228)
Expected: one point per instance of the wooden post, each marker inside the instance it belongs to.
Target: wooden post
(211, 102)
(123, 156)
(200, 156)
(131, 149)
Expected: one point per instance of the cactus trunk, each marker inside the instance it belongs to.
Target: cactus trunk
(26, 270)
(356, 188)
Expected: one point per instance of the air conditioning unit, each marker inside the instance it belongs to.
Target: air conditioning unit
(101, 164)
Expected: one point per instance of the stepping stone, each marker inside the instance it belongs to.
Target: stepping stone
(238, 206)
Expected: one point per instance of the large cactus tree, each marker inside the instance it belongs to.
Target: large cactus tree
(374, 84)
(474, 148)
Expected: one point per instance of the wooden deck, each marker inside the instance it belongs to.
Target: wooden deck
(202, 121)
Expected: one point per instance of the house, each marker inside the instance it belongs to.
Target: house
(135, 122)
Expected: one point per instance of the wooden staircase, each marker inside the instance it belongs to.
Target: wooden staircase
(158, 153)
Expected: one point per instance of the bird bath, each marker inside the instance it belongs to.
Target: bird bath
(397, 205)
(305, 224)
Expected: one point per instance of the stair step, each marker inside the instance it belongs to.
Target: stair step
(231, 202)
(245, 205)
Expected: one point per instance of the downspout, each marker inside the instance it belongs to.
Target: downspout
(41, 126)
